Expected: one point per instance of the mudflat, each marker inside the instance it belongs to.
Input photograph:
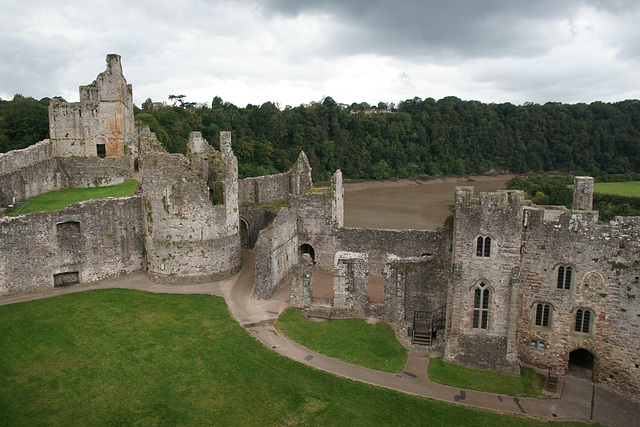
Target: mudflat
(408, 204)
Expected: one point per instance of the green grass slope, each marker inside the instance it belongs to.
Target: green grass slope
(123, 357)
(351, 340)
(60, 199)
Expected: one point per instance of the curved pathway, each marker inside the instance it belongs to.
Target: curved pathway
(258, 317)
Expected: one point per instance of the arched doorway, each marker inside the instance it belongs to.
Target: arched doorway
(245, 236)
(308, 249)
(581, 364)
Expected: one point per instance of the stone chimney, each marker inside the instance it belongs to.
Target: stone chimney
(583, 193)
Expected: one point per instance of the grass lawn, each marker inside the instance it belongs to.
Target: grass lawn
(60, 199)
(352, 340)
(628, 189)
(529, 384)
(124, 357)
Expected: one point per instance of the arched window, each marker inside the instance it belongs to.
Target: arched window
(542, 315)
(584, 320)
(563, 277)
(483, 246)
(481, 296)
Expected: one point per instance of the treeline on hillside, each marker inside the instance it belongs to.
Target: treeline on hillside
(23, 122)
(556, 190)
(419, 137)
(449, 136)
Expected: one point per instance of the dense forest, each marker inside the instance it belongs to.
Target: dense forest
(418, 137)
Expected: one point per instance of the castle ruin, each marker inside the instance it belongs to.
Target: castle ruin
(505, 283)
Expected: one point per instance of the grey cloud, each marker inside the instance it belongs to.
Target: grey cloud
(453, 28)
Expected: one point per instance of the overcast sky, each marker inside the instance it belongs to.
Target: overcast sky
(293, 52)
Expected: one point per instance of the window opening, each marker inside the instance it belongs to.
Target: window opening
(483, 246)
(481, 307)
(583, 321)
(543, 313)
(68, 230)
(564, 277)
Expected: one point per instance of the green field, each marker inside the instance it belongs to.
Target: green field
(352, 340)
(60, 199)
(124, 357)
(529, 384)
(627, 189)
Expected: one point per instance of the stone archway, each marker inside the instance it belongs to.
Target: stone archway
(581, 363)
(245, 234)
(306, 248)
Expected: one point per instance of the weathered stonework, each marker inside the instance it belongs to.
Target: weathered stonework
(97, 239)
(101, 124)
(189, 237)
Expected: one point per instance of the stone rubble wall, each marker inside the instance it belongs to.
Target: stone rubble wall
(276, 251)
(257, 218)
(264, 189)
(18, 159)
(33, 180)
(108, 241)
(62, 173)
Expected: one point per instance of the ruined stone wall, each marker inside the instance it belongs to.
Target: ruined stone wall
(61, 173)
(498, 217)
(276, 188)
(87, 241)
(378, 243)
(316, 226)
(188, 239)
(276, 251)
(33, 180)
(264, 189)
(95, 172)
(18, 159)
(605, 280)
(256, 218)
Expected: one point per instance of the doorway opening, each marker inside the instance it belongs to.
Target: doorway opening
(581, 364)
(101, 150)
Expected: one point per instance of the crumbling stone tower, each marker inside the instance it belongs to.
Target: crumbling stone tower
(191, 211)
(101, 124)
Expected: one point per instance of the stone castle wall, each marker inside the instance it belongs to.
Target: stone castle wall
(18, 159)
(61, 173)
(264, 189)
(605, 280)
(87, 241)
(276, 251)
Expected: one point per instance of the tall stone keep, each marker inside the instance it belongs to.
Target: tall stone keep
(101, 124)
(583, 193)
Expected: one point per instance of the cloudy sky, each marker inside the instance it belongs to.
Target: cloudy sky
(297, 51)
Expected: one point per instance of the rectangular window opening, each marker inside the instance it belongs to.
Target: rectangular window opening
(66, 279)
(68, 230)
